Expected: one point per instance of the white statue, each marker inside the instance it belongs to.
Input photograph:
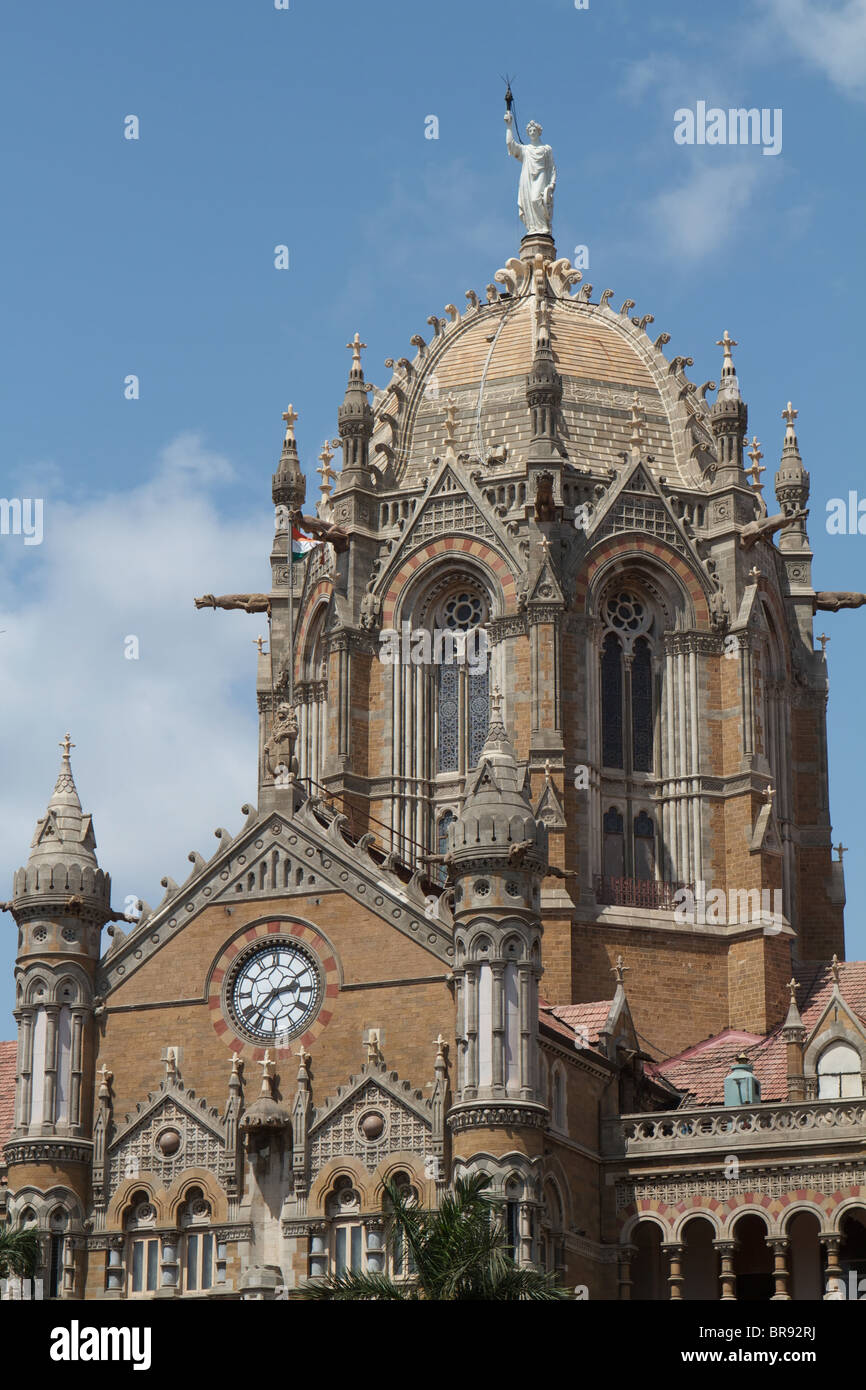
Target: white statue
(537, 177)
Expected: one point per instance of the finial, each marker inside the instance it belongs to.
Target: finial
(619, 970)
(547, 772)
(259, 642)
(496, 706)
(836, 967)
(726, 342)
(823, 639)
(291, 417)
(355, 348)
(637, 423)
(303, 1058)
(755, 573)
(105, 1079)
(371, 1042)
(450, 420)
(235, 1078)
(840, 849)
(789, 415)
(769, 793)
(170, 1064)
(327, 472)
(441, 1055)
(267, 1066)
(792, 986)
(756, 470)
(66, 744)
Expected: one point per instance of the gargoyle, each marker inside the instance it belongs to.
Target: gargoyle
(517, 853)
(325, 531)
(249, 603)
(831, 602)
(767, 526)
(553, 871)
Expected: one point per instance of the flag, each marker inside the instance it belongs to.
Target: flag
(301, 545)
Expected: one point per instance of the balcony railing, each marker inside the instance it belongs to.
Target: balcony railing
(707, 1129)
(635, 892)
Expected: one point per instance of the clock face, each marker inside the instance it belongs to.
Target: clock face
(274, 992)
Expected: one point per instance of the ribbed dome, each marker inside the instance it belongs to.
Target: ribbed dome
(484, 358)
(63, 849)
(497, 812)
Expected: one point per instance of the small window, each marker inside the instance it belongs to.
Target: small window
(199, 1261)
(839, 1072)
(144, 1265)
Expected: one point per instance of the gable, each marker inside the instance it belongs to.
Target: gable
(408, 1121)
(637, 505)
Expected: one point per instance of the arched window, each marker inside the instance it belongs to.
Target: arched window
(839, 1072)
(644, 846)
(199, 1248)
(627, 681)
(513, 1195)
(557, 1098)
(614, 844)
(402, 1262)
(463, 679)
(142, 1246)
(347, 1233)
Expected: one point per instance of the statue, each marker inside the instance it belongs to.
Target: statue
(831, 602)
(537, 178)
(249, 603)
(284, 731)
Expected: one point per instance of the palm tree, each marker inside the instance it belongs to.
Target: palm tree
(19, 1253)
(458, 1252)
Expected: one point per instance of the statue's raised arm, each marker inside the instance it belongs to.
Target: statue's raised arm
(537, 178)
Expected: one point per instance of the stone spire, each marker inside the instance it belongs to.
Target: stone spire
(792, 485)
(496, 818)
(355, 418)
(543, 384)
(289, 485)
(62, 856)
(729, 417)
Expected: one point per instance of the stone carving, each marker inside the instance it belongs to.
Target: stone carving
(338, 1132)
(767, 526)
(324, 530)
(537, 177)
(248, 603)
(281, 744)
(831, 602)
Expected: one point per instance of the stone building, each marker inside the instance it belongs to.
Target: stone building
(538, 880)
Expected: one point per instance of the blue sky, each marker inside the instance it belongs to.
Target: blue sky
(306, 127)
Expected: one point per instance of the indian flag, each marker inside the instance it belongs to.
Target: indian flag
(301, 545)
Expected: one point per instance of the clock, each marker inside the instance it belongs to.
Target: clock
(274, 991)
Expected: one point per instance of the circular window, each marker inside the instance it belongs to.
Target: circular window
(627, 612)
(481, 888)
(40, 933)
(273, 991)
(463, 610)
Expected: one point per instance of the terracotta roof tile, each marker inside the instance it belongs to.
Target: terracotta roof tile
(583, 1021)
(8, 1063)
(700, 1071)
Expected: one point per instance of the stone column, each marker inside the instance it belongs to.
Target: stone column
(674, 1250)
(498, 1028)
(624, 1259)
(114, 1269)
(727, 1277)
(49, 1098)
(834, 1282)
(780, 1246)
(24, 1019)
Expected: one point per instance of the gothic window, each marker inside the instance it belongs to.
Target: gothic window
(839, 1072)
(644, 846)
(614, 844)
(611, 702)
(445, 820)
(557, 1098)
(57, 1224)
(142, 1254)
(401, 1258)
(627, 682)
(199, 1249)
(463, 679)
(347, 1232)
(513, 1194)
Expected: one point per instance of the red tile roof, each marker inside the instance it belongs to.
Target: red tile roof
(700, 1071)
(8, 1063)
(582, 1022)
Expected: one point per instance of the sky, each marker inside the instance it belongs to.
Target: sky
(307, 127)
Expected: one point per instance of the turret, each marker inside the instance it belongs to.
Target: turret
(729, 417)
(355, 418)
(792, 486)
(289, 487)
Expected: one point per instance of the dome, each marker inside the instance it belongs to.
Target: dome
(484, 355)
(497, 813)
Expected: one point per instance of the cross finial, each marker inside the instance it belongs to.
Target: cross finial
(619, 969)
(840, 850)
(726, 342)
(789, 415)
(451, 416)
(755, 573)
(259, 642)
(756, 469)
(792, 986)
(371, 1042)
(267, 1066)
(355, 348)
(823, 639)
(496, 705)
(545, 546)
(105, 1077)
(836, 967)
(290, 416)
(66, 744)
(170, 1063)
(769, 793)
(547, 772)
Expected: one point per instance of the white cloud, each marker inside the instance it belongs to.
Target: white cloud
(827, 34)
(699, 216)
(166, 745)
